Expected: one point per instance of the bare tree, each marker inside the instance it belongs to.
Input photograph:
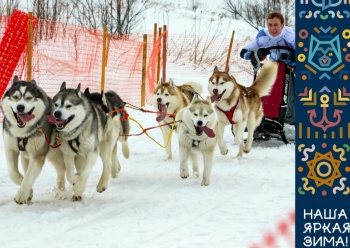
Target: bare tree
(7, 7)
(120, 16)
(254, 12)
(49, 13)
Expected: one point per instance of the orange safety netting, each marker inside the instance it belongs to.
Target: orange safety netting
(12, 45)
(72, 53)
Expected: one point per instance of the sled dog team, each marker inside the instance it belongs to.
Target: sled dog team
(75, 127)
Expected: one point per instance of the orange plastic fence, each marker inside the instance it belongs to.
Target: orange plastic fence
(12, 46)
(71, 53)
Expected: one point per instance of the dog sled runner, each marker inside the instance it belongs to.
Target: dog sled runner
(279, 106)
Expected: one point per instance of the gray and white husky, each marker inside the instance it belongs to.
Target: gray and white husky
(85, 131)
(110, 101)
(197, 129)
(25, 107)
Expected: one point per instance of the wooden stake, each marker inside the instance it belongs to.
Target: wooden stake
(158, 59)
(30, 47)
(103, 69)
(164, 54)
(144, 64)
(229, 51)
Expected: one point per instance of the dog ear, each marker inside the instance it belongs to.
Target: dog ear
(216, 69)
(171, 82)
(87, 92)
(78, 90)
(63, 86)
(33, 82)
(15, 79)
(195, 98)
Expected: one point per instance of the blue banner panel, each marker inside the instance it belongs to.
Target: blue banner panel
(322, 123)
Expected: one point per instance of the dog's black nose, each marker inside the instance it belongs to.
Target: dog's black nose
(199, 123)
(215, 91)
(159, 100)
(57, 114)
(20, 108)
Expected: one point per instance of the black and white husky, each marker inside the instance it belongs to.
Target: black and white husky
(85, 131)
(25, 107)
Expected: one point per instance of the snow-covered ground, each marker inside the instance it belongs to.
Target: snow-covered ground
(149, 205)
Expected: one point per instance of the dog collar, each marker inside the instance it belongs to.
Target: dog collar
(229, 113)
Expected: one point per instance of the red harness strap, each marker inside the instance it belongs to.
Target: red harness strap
(229, 113)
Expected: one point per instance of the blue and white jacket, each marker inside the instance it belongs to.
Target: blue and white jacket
(264, 39)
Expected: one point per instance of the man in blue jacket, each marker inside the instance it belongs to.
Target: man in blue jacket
(276, 34)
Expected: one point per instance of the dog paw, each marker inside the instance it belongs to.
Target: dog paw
(23, 197)
(100, 188)
(195, 174)
(205, 182)
(115, 171)
(246, 150)
(184, 174)
(223, 150)
(76, 198)
(168, 157)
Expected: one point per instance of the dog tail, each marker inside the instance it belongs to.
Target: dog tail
(266, 78)
(125, 149)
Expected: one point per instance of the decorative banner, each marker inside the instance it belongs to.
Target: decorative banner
(322, 123)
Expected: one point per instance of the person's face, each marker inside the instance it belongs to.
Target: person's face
(274, 26)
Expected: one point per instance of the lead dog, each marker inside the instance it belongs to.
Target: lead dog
(85, 132)
(196, 129)
(168, 99)
(25, 107)
(238, 105)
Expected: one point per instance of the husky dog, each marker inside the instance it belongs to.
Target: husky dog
(238, 105)
(168, 99)
(196, 129)
(85, 132)
(110, 101)
(25, 107)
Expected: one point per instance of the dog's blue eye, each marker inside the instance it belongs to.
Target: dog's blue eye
(15, 97)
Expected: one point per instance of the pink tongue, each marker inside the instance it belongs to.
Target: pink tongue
(208, 131)
(25, 117)
(163, 111)
(215, 97)
(52, 120)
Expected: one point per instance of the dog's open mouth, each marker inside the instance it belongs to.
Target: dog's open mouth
(208, 131)
(23, 118)
(217, 97)
(60, 124)
(163, 108)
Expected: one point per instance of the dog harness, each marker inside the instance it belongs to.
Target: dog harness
(229, 113)
(22, 143)
(71, 144)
